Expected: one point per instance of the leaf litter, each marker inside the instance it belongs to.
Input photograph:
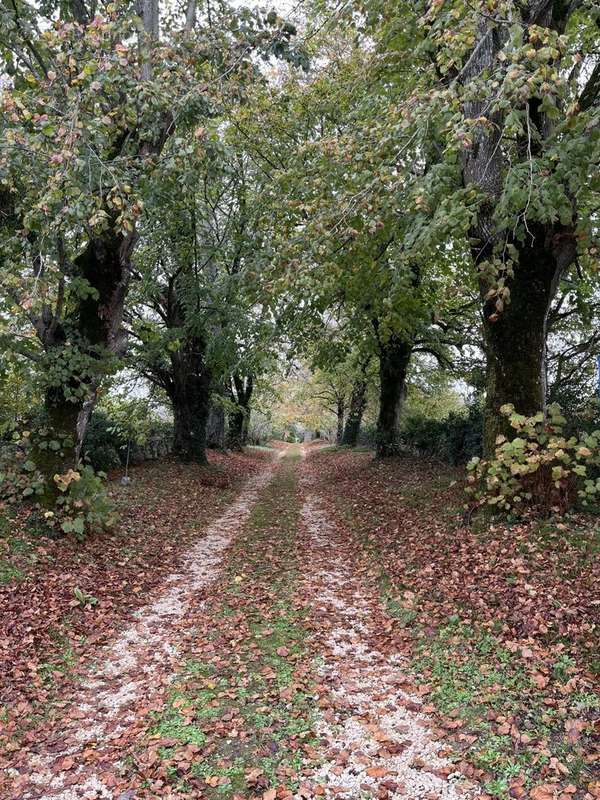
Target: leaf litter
(284, 669)
(95, 724)
(500, 621)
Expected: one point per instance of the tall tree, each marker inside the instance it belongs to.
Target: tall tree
(67, 108)
(348, 218)
(514, 88)
(94, 106)
(491, 110)
(241, 391)
(201, 331)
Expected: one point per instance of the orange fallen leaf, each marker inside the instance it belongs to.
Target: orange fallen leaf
(546, 791)
(377, 772)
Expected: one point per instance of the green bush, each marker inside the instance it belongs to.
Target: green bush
(109, 436)
(367, 436)
(540, 470)
(583, 418)
(83, 505)
(104, 457)
(105, 445)
(455, 439)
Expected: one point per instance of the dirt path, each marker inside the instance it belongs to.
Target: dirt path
(371, 738)
(379, 742)
(130, 672)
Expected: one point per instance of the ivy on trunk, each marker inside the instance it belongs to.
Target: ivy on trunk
(356, 406)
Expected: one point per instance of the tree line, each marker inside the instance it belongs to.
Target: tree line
(203, 195)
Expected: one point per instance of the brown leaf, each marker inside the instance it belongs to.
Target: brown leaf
(574, 728)
(546, 791)
(377, 772)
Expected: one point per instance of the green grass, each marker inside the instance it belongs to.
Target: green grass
(404, 616)
(586, 701)
(331, 449)
(471, 674)
(8, 572)
(582, 538)
(481, 675)
(171, 723)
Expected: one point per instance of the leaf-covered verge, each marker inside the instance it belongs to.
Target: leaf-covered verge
(239, 721)
(60, 601)
(500, 621)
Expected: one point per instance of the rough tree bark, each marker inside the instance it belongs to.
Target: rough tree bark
(186, 378)
(355, 413)
(190, 397)
(394, 359)
(339, 414)
(515, 340)
(241, 390)
(95, 326)
(62, 417)
(215, 429)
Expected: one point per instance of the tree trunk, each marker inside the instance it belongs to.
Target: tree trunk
(515, 339)
(82, 344)
(215, 431)
(59, 452)
(105, 265)
(341, 408)
(246, 427)
(235, 430)
(394, 359)
(190, 395)
(241, 390)
(95, 323)
(355, 413)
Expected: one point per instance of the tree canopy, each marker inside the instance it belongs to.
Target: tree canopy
(217, 198)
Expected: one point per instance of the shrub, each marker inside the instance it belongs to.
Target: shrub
(585, 418)
(20, 477)
(540, 469)
(455, 439)
(367, 436)
(103, 458)
(82, 504)
(105, 445)
(110, 435)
